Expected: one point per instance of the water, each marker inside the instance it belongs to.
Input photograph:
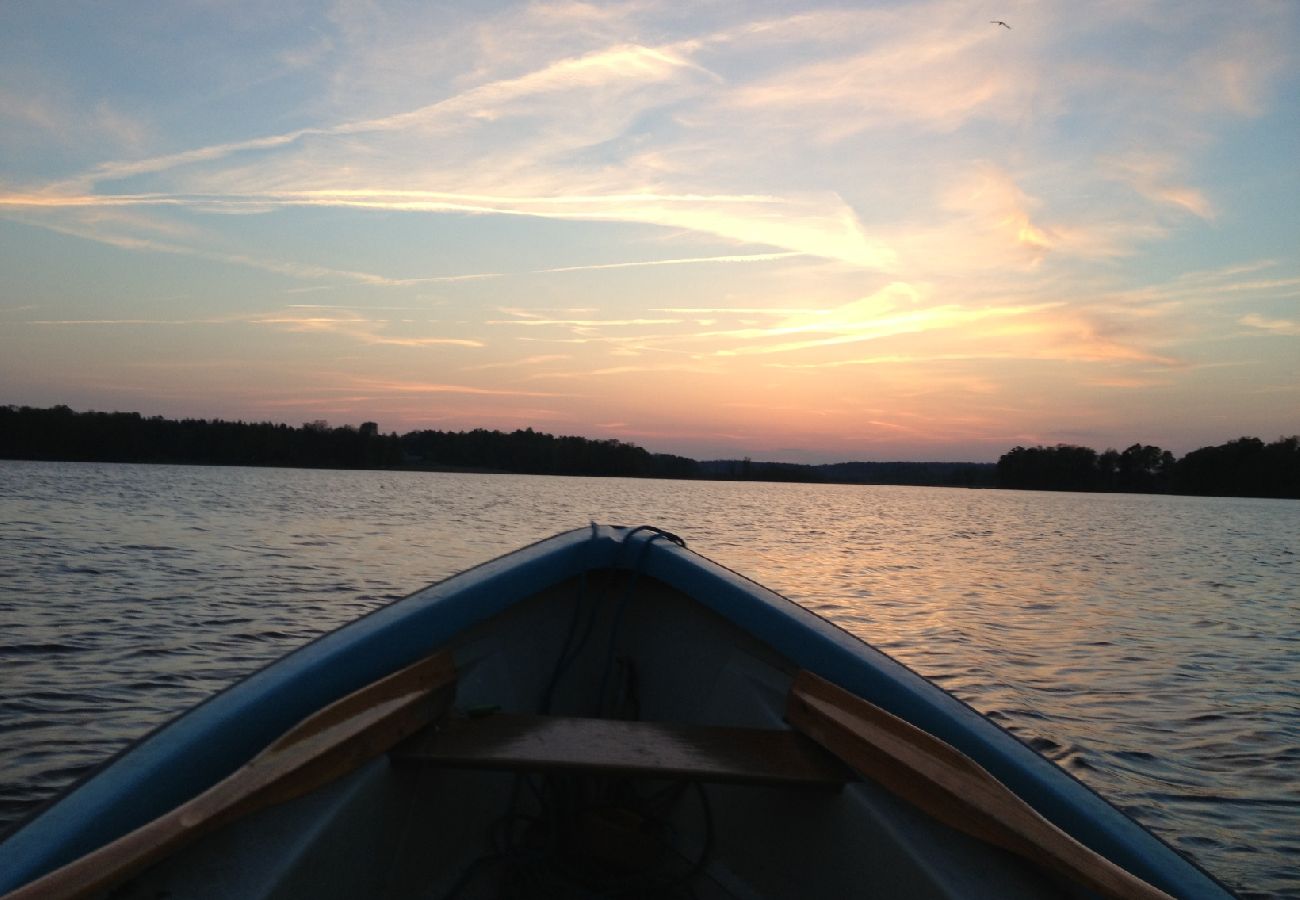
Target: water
(1147, 644)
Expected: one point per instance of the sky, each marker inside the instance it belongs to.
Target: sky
(810, 233)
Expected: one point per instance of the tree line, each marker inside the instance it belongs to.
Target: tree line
(925, 474)
(59, 433)
(1245, 467)
(537, 453)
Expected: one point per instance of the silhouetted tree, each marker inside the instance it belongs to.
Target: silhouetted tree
(1245, 467)
(1144, 469)
(1108, 466)
(1242, 467)
(1065, 467)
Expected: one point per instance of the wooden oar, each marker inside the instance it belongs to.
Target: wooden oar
(946, 784)
(326, 745)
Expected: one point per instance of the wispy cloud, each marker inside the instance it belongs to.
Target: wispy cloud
(128, 322)
(358, 326)
(951, 72)
(36, 110)
(420, 387)
(695, 260)
(617, 64)
(1155, 177)
(775, 212)
(615, 78)
(640, 369)
(525, 362)
(538, 322)
(111, 231)
(917, 75)
(358, 307)
(1272, 326)
(854, 329)
(361, 329)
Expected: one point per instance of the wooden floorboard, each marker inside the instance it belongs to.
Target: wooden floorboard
(651, 749)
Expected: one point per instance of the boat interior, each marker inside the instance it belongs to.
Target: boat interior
(607, 737)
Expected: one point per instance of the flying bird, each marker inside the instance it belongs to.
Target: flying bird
(1000, 22)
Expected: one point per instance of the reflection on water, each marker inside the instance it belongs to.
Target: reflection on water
(1146, 644)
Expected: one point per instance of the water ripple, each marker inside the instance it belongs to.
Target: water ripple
(1145, 644)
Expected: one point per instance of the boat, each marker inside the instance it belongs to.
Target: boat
(604, 713)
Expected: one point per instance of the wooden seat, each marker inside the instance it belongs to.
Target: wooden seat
(531, 743)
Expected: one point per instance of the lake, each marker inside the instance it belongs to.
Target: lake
(1150, 645)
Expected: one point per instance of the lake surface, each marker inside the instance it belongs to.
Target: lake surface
(1149, 645)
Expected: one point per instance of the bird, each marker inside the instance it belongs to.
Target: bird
(1000, 22)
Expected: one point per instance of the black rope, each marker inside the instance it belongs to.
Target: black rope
(543, 852)
(568, 655)
(537, 846)
(617, 621)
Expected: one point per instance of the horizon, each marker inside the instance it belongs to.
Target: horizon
(836, 234)
(557, 434)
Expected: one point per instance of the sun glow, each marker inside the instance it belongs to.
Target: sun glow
(889, 228)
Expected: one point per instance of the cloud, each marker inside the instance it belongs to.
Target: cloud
(531, 132)
(948, 204)
(109, 226)
(606, 371)
(564, 135)
(808, 225)
(364, 329)
(126, 322)
(696, 260)
(37, 112)
(22, 110)
(998, 216)
(118, 170)
(812, 225)
(358, 307)
(913, 323)
(1128, 383)
(916, 76)
(627, 63)
(525, 362)
(371, 330)
(1273, 326)
(421, 387)
(851, 325)
(539, 322)
(1154, 176)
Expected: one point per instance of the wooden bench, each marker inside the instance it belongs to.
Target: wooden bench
(833, 725)
(531, 743)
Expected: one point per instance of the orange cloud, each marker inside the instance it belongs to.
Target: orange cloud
(1154, 176)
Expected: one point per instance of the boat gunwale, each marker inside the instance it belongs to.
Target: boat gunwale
(112, 798)
(1066, 802)
(341, 660)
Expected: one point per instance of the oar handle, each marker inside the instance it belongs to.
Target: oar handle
(947, 785)
(326, 745)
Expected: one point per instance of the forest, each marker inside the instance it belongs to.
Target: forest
(60, 433)
(1244, 467)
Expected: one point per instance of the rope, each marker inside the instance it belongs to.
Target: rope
(616, 623)
(546, 858)
(537, 852)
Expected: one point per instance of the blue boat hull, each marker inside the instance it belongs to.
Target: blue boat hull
(710, 644)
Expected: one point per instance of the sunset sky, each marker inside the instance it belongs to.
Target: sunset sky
(799, 232)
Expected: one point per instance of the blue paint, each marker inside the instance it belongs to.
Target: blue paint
(212, 740)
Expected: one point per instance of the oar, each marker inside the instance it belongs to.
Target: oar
(326, 745)
(946, 784)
